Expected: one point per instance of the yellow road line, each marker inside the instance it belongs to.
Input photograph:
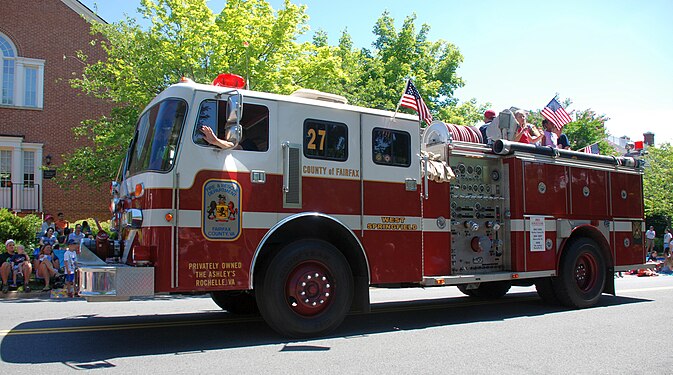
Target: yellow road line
(426, 306)
(118, 327)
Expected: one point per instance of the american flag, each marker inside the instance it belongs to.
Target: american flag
(412, 99)
(555, 113)
(591, 149)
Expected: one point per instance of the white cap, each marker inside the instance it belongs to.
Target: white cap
(9, 241)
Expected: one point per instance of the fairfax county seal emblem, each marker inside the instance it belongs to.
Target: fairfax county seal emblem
(221, 210)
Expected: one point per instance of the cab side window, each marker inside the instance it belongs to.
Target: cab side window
(325, 140)
(255, 123)
(391, 147)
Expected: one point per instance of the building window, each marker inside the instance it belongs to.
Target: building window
(325, 140)
(8, 56)
(5, 168)
(21, 79)
(30, 97)
(391, 147)
(28, 169)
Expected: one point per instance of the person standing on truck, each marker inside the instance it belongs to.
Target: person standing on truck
(649, 243)
(489, 115)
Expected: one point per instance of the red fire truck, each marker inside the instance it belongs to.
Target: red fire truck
(319, 200)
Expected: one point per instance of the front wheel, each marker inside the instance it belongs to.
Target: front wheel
(306, 290)
(240, 303)
(581, 276)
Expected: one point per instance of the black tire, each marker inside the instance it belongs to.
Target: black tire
(545, 290)
(468, 292)
(581, 276)
(490, 290)
(319, 271)
(240, 303)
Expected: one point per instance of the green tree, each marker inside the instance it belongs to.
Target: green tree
(408, 53)
(658, 180)
(186, 39)
(589, 128)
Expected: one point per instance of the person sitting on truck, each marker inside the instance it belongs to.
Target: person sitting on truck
(550, 138)
(525, 132)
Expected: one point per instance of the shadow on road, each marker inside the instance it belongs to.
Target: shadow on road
(94, 341)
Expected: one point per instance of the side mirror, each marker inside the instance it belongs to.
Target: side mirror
(234, 130)
(234, 109)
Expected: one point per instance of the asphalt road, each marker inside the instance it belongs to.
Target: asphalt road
(434, 330)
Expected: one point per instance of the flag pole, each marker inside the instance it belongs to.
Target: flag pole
(400, 101)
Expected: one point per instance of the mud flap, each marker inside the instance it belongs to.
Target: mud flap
(361, 302)
(610, 281)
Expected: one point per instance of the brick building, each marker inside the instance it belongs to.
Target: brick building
(38, 108)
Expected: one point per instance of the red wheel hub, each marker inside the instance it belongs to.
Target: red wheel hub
(309, 289)
(586, 272)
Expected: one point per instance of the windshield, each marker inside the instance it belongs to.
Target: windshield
(154, 145)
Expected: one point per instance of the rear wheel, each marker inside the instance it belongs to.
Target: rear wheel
(581, 276)
(306, 290)
(468, 292)
(242, 303)
(490, 290)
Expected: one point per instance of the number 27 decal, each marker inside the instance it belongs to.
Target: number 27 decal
(312, 142)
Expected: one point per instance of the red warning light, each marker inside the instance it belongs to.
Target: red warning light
(229, 80)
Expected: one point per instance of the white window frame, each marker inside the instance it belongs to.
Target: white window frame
(20, 66)
(18, 146)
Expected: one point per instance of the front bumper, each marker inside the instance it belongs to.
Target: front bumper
(115, 282)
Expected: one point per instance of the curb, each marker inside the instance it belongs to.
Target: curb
(36, 294)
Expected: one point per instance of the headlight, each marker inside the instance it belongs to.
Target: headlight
(114, 205)
(132, 218)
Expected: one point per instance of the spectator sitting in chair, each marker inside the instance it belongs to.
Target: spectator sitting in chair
(48, 265)
(62, 227)
(49, 238)
(76, 236)
(48, 223)
(6, 267)
(667, 266)
(86, 229)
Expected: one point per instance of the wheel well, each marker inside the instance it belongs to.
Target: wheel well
(318, 226)
(588, 231)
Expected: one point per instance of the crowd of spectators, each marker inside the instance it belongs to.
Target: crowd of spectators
(17, 267)
(658, 265)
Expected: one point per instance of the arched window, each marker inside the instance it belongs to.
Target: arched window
(21, 78)
(8, 55)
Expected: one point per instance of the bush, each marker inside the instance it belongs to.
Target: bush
(20, 229)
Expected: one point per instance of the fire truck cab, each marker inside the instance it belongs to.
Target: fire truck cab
(317, 200)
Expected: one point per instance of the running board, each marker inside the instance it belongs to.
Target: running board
(483, 278)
